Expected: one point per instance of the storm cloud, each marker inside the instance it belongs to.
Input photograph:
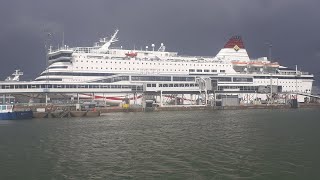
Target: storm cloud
(190, 27)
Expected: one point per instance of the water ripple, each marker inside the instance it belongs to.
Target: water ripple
(253, 144)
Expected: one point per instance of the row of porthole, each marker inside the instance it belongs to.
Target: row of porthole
(292, 86)
(222, 71)
(161, 63)
(133, 69)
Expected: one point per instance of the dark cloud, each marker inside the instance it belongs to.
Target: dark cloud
(191, 27)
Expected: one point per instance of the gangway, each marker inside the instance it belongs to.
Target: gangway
(308, 95)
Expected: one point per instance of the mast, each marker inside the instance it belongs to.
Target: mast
(107, 44)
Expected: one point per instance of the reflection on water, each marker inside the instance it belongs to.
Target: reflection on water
(249, 144)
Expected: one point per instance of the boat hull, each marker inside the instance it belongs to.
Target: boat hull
(16, 115)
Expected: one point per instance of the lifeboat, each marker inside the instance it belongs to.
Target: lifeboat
(275, 64)
(256, 64)
(131, 54)
(238, 63)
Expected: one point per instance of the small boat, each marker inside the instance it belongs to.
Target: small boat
(78, 113)
(93, 114)
(7, 113)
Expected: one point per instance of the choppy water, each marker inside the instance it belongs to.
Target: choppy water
(241, 144)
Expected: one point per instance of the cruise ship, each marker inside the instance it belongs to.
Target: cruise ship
(157, 69)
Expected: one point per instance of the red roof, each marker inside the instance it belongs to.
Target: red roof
(233, 41)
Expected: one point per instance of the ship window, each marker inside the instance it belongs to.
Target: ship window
(213, 70)
(223, 71)
(206, 70)
(199, 70)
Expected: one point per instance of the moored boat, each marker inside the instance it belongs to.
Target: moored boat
(78, 113)
(7, 113)
(93, 113)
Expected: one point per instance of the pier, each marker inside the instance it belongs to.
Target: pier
(59, 100)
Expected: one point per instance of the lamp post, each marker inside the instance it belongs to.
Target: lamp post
(269, 44)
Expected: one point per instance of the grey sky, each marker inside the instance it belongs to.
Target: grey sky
(193, 27)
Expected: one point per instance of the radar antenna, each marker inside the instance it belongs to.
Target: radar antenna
(15, 76)
(162, 48)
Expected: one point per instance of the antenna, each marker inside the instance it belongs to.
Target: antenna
(269, 44)
(63, 38)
